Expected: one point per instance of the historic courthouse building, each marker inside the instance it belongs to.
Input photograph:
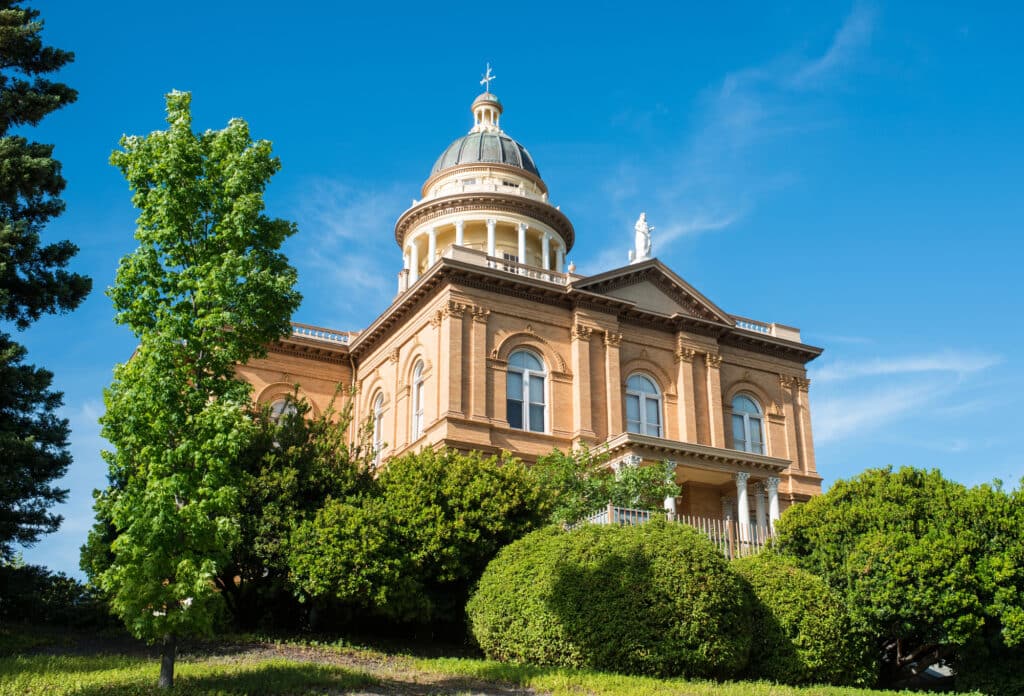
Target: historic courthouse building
(493, 344)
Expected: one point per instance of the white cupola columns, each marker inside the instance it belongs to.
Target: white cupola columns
(432, 247)
(414, 262)
(521, 251)
(460, 228)
(491, 225)
(545, 251)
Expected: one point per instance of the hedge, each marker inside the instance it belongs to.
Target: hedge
(655, 599)
(801, 630)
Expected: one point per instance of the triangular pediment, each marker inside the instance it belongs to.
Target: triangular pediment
(653, 287)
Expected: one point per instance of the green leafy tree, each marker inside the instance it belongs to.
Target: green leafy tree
(923, 563)
(206, 289)
(581, 482)
(33, 280)
(294, 463)
(412, 547)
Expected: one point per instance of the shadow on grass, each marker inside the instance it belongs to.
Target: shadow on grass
(241, 680)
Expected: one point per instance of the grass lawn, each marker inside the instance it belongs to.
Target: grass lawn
(55, 664)
(572, 682)
(56, 675)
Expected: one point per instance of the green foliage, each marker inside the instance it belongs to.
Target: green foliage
(654, 599)
(206, 289)
(292, 465)
(581, 482)
(925, 565)
(412, 547)
(33, 450)
(801, 631)
(29, 592)
(33, 280)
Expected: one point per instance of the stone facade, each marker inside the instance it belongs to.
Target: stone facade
(483, 279)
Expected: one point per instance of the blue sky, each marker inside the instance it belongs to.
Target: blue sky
(851, 169)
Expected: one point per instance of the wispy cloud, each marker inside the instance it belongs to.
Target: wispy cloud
(714, 178)
(836, 417)
(956, 362)
(342, 228)
(846, 46)
(855, 397)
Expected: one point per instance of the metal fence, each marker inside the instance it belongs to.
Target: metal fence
(730, 537)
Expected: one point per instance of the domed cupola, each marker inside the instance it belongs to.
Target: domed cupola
(484, 197)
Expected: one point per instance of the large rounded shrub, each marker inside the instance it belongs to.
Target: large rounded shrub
(654, 599)
(801, 630)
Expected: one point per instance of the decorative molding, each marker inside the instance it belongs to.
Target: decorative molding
(802, 383)
(455, 309)
(393, 355)
(612, 339)
(503, 339)
(787, 382)
(713, 360)
(581, 332)
(741, 478)
(480, 314)
(685, 355)
(771, 484)
(435, 319)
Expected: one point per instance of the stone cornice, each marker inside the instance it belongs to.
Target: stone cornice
(567, 297)
(478, 167)
(484, 202)
(726, 459)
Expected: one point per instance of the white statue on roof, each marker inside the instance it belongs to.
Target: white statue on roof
(642, 240)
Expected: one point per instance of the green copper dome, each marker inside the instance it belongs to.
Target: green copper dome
(485, 148)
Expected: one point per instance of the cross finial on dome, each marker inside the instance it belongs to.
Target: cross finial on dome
(486, 82)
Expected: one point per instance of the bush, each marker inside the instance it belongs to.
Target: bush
(655, 599)
(412, 548)
(801, 630)
(36, 594)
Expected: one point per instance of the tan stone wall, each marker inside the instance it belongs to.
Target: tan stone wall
(464, 335)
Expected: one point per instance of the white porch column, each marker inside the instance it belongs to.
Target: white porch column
(742, 506)
(414, 262)
(559, 258)
(432, 247)
(459, 227)
(670, 477)
(545, 251)
(759, 511)
(522, 242)
(490, 236)
(772, 484)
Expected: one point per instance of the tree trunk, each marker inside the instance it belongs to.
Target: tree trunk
(167, 662)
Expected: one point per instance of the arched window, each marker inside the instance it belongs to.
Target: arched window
(643, 406)
(747, 425)
(378, 426)
(524, 392)
(282, 407)
(417, 401)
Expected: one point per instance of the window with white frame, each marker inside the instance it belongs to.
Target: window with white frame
(747, 424)
(643, 406)
(378, 426)
(525, 392)
(417, 401)
(282, 407)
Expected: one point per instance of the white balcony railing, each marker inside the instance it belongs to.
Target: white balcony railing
(480, 258)
(731, 538)
(778, 330)
(319, 333)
